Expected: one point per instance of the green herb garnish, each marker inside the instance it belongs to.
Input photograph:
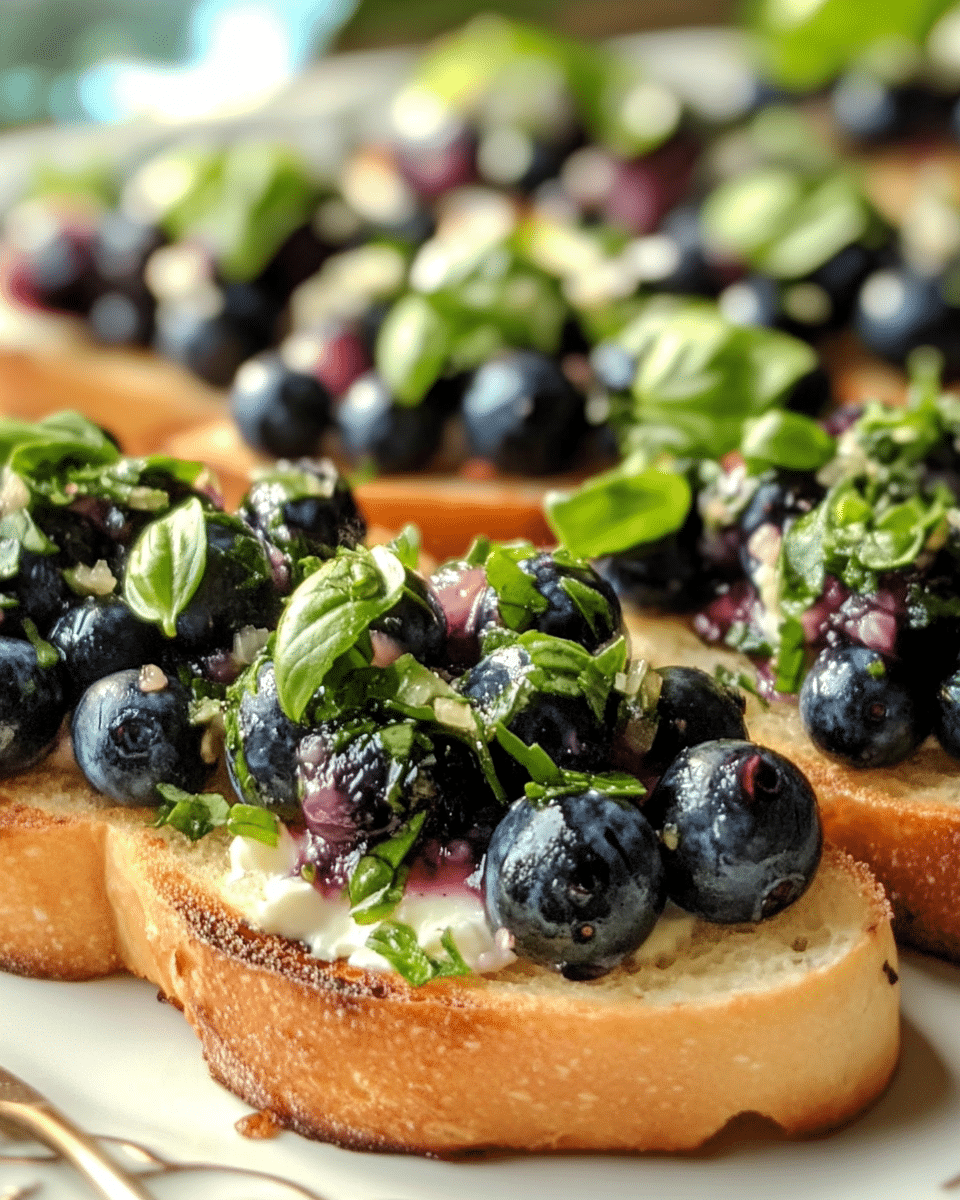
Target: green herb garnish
(166, 565)
(398, 944)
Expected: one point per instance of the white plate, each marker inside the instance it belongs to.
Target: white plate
(121, 1063)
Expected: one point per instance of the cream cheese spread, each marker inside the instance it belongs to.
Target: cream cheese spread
(263, 884)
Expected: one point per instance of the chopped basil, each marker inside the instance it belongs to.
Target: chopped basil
(786, 222)
(193, 814)
(47, 655)
(518, 598)
(376, 884)
(166, 565)
(406, 546)
(398, 944)
(790, 660)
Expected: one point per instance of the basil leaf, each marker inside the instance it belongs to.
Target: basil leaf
(326, 616)
(406, 546)
(781, 438)
(804, 46)
(398, 944)
(790, 658)
(615, 511)
(166, 565)
(411, 348)
(376, 885)
(35, 448)
(193, 814)
(534, 759)
(615, 785)
(518, 598)
(251, 821)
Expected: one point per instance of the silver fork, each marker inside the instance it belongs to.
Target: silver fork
(24, 1108)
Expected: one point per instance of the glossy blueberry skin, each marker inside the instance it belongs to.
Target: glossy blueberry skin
(578, 882)
(279, 411)
(869, 110)
(668, 573)
(98, 637)
(563, 617)
(416, 624)
(396, 437)
(127, 740)
(313, 516)
(237, 588)
(41, 593)
(121, 247)
(899, 309)
(946, 715)
(32, 706)
(213, 346)
(740, 831)
(343, 786)
(858, 706)
(613, 366)
(693, 708)
(121, 318)
(521, 413)
(262, 742)
(566, 727)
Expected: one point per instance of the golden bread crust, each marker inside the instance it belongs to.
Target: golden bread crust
(645, 1059)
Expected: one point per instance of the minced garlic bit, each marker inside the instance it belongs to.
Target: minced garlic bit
(97, 580)
(670, 837)
(152, 679)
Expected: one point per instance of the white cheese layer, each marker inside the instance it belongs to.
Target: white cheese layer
(262, 883)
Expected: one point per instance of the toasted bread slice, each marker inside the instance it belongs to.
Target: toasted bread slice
(904, 821)
(659, 1055)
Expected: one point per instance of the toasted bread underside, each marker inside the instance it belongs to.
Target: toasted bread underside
(903, 821)
(656, 1056)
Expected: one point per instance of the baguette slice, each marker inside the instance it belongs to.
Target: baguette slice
(795, 1019)
(903, 821)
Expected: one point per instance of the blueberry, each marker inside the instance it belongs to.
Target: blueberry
(693, 708)
(119, 318)
(521, 413)
(131, 731)
(262, 742)
(461, 588)
(562, 724)
(416, 624)
(779, 499)
(211, 344)
(351, 789)
(304, 507)
(614, 367)
(121, 247)
(577, 882)
(98, 637)
(946, 717)
(55, 270)
(753, 300)
(40, 591)
(667, 573)
(857, 705)
(740, 831)
(899, 309)
(675, 258)
(300, 256)
(397, 437)
(32, 706)
(867, 109)
(811, 394)
(278, 411)
(580, 606)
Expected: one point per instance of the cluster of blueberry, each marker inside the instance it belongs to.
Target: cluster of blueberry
(483, 262)
(374, 708)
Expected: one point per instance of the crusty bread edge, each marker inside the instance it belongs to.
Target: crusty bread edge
(364, 1060)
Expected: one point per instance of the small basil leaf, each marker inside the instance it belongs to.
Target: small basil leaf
(534, 759)
(781, 438)
(613, 512)
(412, 347)
(166, 565)
(790, 658)
(406, 546)
(193, 814)
(251, 821)
(518, 598)
(398, 944)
